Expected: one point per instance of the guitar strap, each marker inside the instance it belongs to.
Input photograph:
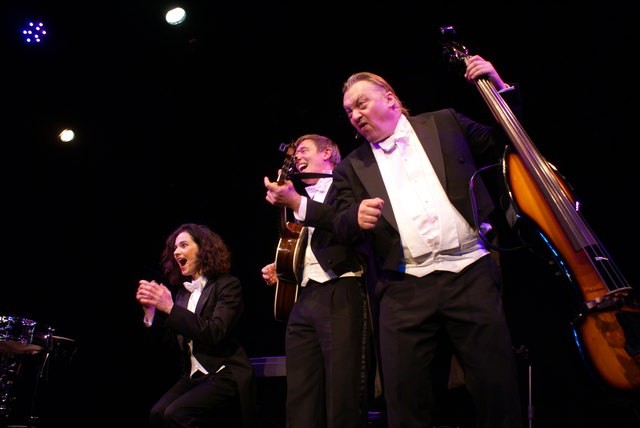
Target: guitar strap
(303, 175)
(297, 177)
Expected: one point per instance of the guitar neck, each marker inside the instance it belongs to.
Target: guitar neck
(282, 211)
(282, 220)
(286, 231)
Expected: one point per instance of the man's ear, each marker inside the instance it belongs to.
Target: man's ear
(326, 153)
(391, 99)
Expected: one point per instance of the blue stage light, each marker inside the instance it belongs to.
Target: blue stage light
(34, 32)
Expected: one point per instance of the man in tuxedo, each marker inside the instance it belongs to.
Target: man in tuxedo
(327, 330)
(405, 193)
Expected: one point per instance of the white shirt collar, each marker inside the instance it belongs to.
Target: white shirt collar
(400, 136)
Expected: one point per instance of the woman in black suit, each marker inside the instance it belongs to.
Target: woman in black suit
(217, 377)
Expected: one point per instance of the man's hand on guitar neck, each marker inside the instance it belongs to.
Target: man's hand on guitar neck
(282, 195)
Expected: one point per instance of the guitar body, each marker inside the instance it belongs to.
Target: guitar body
(290, 253)
(289, 266)
(601, 339)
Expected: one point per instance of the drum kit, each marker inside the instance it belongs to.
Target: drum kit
(26, 349)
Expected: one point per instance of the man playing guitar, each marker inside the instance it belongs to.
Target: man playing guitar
(327, 335)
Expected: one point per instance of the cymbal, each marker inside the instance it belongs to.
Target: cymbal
(11, 347)
(61, 338)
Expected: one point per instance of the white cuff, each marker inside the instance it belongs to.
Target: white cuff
(301, 214)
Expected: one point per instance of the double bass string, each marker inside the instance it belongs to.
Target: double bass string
(582, 236)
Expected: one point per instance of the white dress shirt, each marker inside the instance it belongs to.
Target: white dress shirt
(312, 268)
(434, 234)
(197, 287)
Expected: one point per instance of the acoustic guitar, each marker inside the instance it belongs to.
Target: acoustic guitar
(607, 329)
(290, 253)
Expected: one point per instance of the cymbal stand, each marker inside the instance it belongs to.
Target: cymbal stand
(9, 366)
(32, 420)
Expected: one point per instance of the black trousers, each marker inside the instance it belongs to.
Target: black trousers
(199, 402)
(326, 345)
(468, 306)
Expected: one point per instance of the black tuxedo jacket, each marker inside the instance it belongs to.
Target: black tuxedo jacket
(455, 145)
(211, 328)
(332, 255)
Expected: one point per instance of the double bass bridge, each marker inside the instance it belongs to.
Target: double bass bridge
(608, 299)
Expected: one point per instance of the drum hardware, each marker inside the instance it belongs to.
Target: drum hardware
(9, 370)
(26, 350)
(20, 336)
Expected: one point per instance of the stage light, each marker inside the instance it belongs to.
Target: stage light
(34, 32)
(176, 16)
(66, 135)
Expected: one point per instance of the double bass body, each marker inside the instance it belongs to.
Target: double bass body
(607, 330)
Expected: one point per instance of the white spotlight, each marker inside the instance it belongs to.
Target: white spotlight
(176, 16)
(66, 135)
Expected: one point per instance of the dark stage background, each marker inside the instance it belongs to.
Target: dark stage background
(181, 125)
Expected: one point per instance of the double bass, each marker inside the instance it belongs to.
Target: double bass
(607, 328)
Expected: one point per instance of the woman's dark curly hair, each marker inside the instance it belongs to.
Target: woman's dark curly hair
(214, 257)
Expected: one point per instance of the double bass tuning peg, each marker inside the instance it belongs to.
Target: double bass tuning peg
(455, 52)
